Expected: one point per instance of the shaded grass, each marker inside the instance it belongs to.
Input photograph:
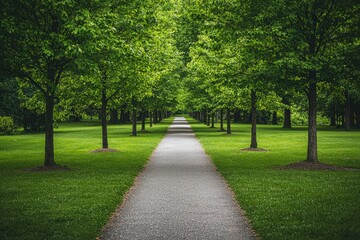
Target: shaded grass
(290, 204)
(73, 204)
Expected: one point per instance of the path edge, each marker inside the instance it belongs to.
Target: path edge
(128, 193)
(241, 211)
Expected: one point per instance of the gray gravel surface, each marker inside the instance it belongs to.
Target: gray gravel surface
(179, 195)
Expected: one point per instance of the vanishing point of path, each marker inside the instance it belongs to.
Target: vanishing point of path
(179, 195)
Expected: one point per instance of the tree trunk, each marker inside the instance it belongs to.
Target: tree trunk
(274, 118)
(228, 121)
(160, 116)
(208, 119)
(151, 118)
(134, 122)
(357, 117)
(287, 118)
(103, 119)
(213, 120)
(143, 118)
(49, 132)
(333, 115)
(124, 117)
(155, 117)
(333, 120)
(312, 155)
(205, 117)
(348, 112)
(222, 121)
(237, 116)
(253, 119)
(114, 116)
(352, 113)
(287, 113)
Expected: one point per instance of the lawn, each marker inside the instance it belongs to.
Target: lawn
(290, 204)
(72, 204)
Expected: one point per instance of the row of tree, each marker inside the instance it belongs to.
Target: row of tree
(273, 54)
(62, 58)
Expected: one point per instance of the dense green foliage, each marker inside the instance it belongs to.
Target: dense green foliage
(6, 125)
(271, 55)
(72, 204)
(79, 55)
(290, 204)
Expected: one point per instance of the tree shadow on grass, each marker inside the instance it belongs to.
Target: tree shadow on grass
(47, 168)
(254, 150)
(315, 166)
(104, 150)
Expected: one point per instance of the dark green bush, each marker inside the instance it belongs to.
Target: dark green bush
(6, 125)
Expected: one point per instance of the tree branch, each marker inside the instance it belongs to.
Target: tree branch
(33, 82)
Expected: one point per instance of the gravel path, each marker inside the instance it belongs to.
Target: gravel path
(179, 195)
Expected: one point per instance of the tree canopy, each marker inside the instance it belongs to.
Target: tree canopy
(66, 59)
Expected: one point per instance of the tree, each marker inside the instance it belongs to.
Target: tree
(245, 52)
(43, 40)
(306, 30)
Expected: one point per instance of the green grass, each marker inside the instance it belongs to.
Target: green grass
(291, 204)
(72, 204)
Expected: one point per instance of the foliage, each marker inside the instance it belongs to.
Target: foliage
(10, 102)
(6, 125)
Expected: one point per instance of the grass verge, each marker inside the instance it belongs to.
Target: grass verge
(290, 204)
(73, 204)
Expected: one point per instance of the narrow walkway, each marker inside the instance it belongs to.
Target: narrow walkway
(179, 195)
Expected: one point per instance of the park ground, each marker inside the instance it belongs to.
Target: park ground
(290, 204)
(281, 204)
